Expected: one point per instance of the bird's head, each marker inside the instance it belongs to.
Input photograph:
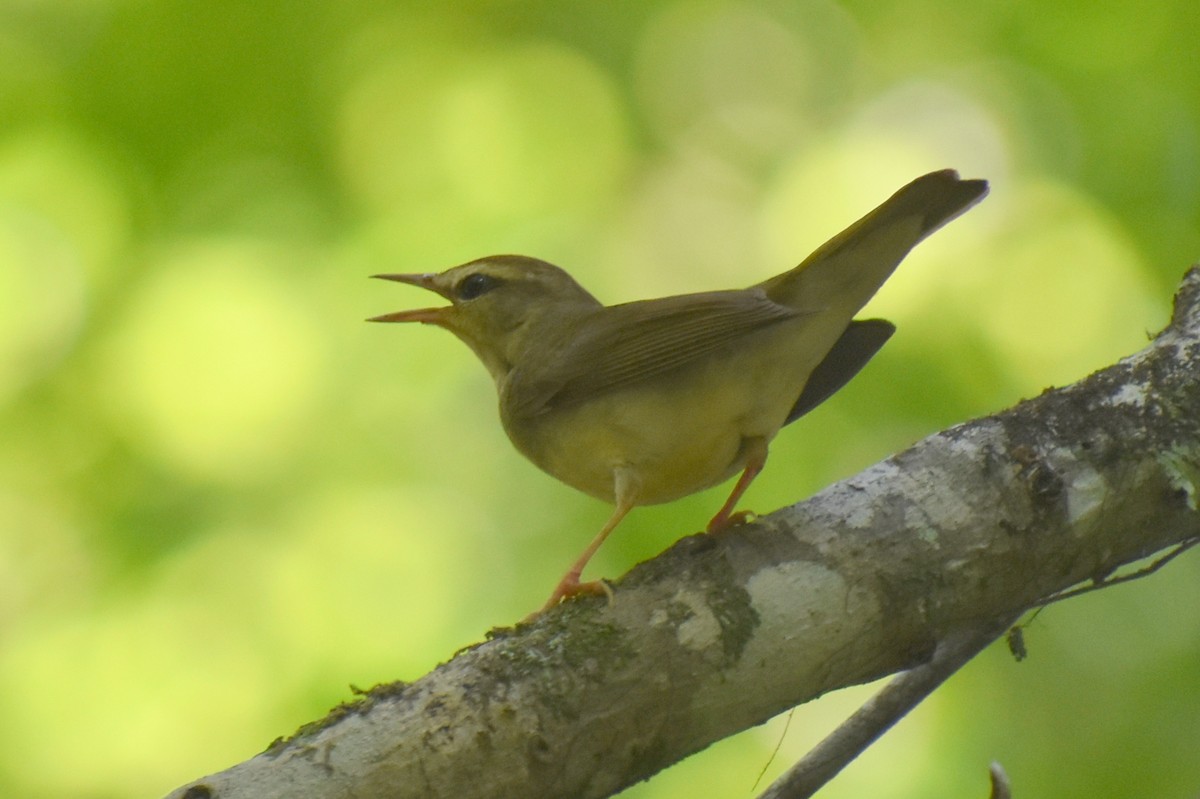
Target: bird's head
(496, 303)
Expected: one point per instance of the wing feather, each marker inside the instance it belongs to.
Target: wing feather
(622, 345)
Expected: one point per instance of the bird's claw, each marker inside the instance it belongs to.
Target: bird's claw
(738, 519)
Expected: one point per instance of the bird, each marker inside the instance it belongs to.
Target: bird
(644, 402)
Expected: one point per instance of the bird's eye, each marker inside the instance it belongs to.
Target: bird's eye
(474, 285)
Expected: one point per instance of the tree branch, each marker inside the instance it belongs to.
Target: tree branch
(883, 710)
(962, 532)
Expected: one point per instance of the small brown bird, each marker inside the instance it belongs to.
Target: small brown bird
(649, 401)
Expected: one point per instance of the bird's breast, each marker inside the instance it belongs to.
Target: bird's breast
(679, 434)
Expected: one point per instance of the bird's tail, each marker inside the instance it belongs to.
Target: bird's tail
(847, 270)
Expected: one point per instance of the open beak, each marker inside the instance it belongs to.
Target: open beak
(429, 316)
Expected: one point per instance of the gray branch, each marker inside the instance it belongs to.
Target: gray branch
(962, 532)
(882, 711)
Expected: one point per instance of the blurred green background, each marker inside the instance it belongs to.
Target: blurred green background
(224, 498)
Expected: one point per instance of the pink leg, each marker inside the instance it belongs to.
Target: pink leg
(569, 585)
(756, 456)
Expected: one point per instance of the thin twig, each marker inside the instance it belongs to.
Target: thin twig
(880, 712)
(1099, 583)
(1000, 787)
(775, 752)
(1016, 634)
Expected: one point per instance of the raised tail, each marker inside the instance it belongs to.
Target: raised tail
(847, 270)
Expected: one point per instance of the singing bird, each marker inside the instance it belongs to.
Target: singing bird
(649, 401)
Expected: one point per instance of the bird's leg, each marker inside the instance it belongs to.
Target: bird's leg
(756, 456)
(625, 489)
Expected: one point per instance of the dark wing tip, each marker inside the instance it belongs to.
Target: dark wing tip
(846, 358)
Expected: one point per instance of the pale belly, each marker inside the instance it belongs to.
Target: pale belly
(677, 438)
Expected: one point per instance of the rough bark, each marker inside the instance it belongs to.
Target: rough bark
(964, 530)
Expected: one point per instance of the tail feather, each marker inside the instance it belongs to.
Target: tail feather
(943, 195)
(847, 270)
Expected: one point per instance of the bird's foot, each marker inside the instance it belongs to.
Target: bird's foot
(722, 522)
(570, 586)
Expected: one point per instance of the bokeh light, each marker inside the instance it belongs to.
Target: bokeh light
(214, 362)
(224, 498)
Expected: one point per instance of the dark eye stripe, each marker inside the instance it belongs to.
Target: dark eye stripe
(474, 285)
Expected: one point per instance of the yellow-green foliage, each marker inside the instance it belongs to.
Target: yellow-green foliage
(224, 498)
